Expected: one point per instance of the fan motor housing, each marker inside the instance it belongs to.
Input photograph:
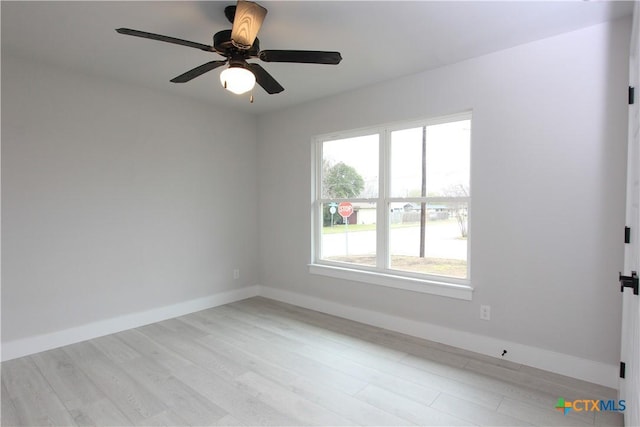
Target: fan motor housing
(224, 46)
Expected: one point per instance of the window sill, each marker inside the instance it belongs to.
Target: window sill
(433, 287)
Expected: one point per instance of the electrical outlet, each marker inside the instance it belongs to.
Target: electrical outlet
(485, 312)
(236, 274)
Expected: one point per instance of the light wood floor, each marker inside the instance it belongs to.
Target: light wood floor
(261, 362)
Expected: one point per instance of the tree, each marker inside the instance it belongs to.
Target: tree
(460, 209)
(342, 181)
(339, 181)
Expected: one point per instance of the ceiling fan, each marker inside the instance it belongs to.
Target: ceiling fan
(237, 45)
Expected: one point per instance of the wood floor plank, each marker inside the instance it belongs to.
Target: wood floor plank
(416, 348)
(309, 368)
(242, 323)
(8, 413)
(134, 400)
(474, 413)
(166, 418)
(194, 351)
(228, 421)
(263, 362)
(329, 397)
(306, 332)
(485, 397)
(485, 380)
(530, 381)
(249, 359)
(531, 389)
(613, 419)
(181, 328)
(337, 330)
(596, 390)
(101, 412)
(357, 410)
(253, 342)
(469, 390)
(181, 399)
(400, 373)
(87, 405)
(289, 403)
(407, 408)
(34, 400)
(420, 392)
(233, 398)
(115, 349)
(145, 346)
(301, 333)
(66, 378)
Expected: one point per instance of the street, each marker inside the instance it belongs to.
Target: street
(442, 241)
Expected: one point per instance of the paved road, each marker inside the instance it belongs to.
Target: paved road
(442, 242)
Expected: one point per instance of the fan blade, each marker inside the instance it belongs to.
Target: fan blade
(159, 37)
(264, 79)
(198, 71)
(246, 24)
(230, 13)
(301, 56)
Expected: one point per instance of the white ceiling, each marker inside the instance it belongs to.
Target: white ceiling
(379, 40)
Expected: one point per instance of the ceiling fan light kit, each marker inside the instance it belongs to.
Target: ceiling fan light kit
(237, 45)
(237, 79)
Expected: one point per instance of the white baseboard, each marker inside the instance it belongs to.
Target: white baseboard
(564, 364)
(38, 343)
(560, 363)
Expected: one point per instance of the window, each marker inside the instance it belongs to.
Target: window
(391, 206)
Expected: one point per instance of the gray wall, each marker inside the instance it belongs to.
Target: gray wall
(548, 187)
(116, 199)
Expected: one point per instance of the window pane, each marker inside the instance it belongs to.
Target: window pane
(444, 246)
(448, 159)
(351, 239)
(447, 152)
(350, 168)
(406, 163)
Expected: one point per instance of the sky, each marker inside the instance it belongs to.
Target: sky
(448, 158)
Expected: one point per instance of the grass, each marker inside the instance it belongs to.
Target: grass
(340, 228)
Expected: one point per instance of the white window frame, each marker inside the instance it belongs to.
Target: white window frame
(381, 274)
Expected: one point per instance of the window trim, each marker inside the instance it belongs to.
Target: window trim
(381, 275)
(379, 278)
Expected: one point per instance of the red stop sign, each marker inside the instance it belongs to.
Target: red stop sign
(345, 209)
